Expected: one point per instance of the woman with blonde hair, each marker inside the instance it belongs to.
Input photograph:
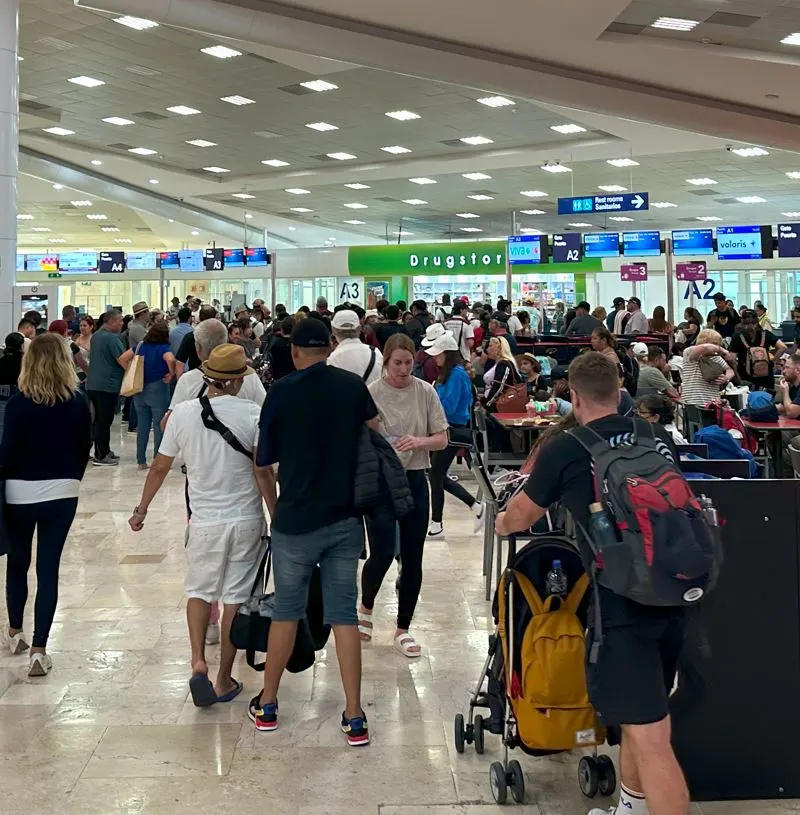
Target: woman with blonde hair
(701, 362)
(501, 370)
(41, 491)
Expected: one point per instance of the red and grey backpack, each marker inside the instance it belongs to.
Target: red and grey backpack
(663, 548)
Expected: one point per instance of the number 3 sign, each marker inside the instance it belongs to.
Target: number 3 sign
(350, 290)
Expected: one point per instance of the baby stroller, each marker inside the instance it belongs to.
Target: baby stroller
(559, 717)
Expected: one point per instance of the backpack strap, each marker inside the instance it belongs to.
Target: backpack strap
(530, 594)
(213, 423)
(370, 366)
(575, 597)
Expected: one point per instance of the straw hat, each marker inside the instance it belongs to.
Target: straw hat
(139, 307)
(226, 362)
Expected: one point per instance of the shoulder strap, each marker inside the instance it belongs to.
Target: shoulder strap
(213, 423)
(575, 597)
(529, 592)
(370, 366)
(203, 389)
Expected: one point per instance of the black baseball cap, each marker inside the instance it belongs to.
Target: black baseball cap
(311, 334)
(635, 300)
(500, 317)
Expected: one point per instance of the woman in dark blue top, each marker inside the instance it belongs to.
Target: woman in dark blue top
(49, 415)
(457, 395)
(153, 402)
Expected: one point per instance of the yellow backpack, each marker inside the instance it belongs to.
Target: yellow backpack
(549, 698)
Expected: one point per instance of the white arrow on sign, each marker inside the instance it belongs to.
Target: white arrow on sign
(637, 201)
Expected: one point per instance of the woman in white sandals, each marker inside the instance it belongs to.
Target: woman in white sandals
(414, 423)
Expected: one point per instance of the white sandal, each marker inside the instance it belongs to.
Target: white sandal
(404, 643)
(365, 626)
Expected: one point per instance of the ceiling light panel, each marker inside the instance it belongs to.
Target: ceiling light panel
(322, 127)
(621, 218)
(341, 156)
(496, 102)
(183, 110)
(793, 174)
(301, 209)
(216, 170)
(221, 52)
(109, 228)
(415, 202)
(97, 216)
(750, 152)
(403, 115)
(467, 215)
(356, 206)
(320, 85)
(395, 150)
(136, 23)
(40, 229)
(701, 182)
(355, 222)
(59, 131)
(122, 240)
(579, 224)
(612, 188)
(95, 162)
(476, 141)
(532, 211)
(298, 191)
(708, 218)
(476, 176)
(480, 197)
(237, 100)
(555, 168)
(358, 186)
(24, 217)
(244, 196)
(675, 23)
(201, 143)
(83, 203)
(568, 129)
(422, 180)
(792, 39)
(662, 204)
(142, 151)
(471, 229)
(86, 81)
(533, 194)
(118, 120)
(791, 214)
(751, 199)
(57, 240)
(622, 162)
(276, 162)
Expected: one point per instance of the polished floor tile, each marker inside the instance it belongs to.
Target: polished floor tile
(113, 731)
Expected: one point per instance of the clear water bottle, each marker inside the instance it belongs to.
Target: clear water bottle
(556, 583)
(600, 526)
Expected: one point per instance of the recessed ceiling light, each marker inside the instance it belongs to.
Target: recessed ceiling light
(183, 110)
(701, 182)
(320, 85)
(793, 174)
(675, 23)
(118, 120)
(623, 218)
(356, 206)
(20, 59)
(402, 232)
(96, 162)
(358, 186)
(403, 115)
(25, 217)
(341, 156)
(792, 39)
(57, 240)
(237, 100)
(415, 202)
(109, 228)
(528, 230)
(355, 222)
(708, 218)
(496, 102)
(59, 131)
(195, 232)
(58, 186)
(533, 194)
(554, 167)
(578, 224)
(476, 176)
(41, 229)
(532, 211)
(201, 143)
(422, 180)
(292, 228)
(137, 23)
(469, 229)
(467, 215)
(298, 191)
(395, 150)
(612, 188)
(622, 162)
(662, 204)
(248, 215)
(86, 81)
(221, 52)
(153, 180)
(142, 151)
(475, 141)
(217, 170)
(84, 203)
(275, 162)
(245, 196)
(750, 152)
(568, 129)
(322, 127)
(479, 197)
(791, 214)
(97, 216)
(301, 209)
(751, 199)
(122, 240)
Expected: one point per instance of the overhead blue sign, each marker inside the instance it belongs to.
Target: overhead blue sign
(525, 250)
(749, 242)
(788, 241)
(567, 248)
(624, 202)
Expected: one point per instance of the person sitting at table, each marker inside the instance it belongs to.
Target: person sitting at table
(787, 389)
(530, 370)
(695, 388)
(605, 343)
(552, 405)
(651, 373)
(658, 409)
(750, 343)
(501, 371)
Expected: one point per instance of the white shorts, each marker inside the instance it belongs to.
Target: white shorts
(223, 559)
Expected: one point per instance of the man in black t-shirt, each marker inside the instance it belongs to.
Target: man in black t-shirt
(187, 352)
(314, 521)
(751, 335)
(726, 318)
(630, 683)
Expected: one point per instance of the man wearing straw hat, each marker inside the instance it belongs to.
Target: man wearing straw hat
(216, 435)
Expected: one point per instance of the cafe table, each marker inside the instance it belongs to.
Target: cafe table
(773, 431)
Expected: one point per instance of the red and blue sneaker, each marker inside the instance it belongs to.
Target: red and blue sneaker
(264, 717)
(356, 730)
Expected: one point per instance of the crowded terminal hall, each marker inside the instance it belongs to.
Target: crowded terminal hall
(439, 400)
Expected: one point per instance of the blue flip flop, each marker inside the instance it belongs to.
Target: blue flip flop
(231, 694)
(202, 691)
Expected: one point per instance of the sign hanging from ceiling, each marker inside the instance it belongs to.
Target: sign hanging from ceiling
(691, 271)
(624, 202)
(633, 272)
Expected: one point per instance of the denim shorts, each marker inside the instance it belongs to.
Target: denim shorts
(336, 548)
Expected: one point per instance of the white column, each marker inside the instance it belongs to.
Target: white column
(9, 130)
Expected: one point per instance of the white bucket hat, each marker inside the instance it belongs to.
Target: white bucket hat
(433, 332)
(445, 342)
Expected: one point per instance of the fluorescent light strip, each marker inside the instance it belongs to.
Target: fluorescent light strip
(414, 202)
(792, 39)
(301, 209)
(142, 151)
(750, 152)
(59, 131)
(358, 186)
(622, 162)
(320, 85)
(708, 218)
(183, 110)
(118, 120)
(395, 150)
(476, 141)
(341, 156)
(480, 197)
(237, 100)
(403, 115)
(322, 127)
(555, 168)
(298, 191)
(476, 176)
(662, 204)
(24, 217)
(701, 182)
(533, 194)
(496, 102)
(356, 206)
(612, 188)
(532, 211)
(244, 196)
(568, 130)
(422, 180)
(276, 162)
(675, 23)
(216, 170)
(201, 143)
(467, 215)
(86, 81)
(355, 222)
(751, 199)
(136, 23)
(221, 52)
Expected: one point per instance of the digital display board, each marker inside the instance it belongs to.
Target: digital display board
(751, 242)
(234, 257)
(141, 260)
(256, 256)
(214, 260)
(20, 263)
(41, 263)
(642, 244)
(567, 247)
(191, 260)
(77, 262)
(168, 260)
(601, 244)
(789, 240)
(688, 242)
(111, 263)
(527, 250)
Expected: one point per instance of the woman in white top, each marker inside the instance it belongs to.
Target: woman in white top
(695, 389)
(414, 422)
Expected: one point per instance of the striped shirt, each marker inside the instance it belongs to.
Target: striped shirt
(694, 389)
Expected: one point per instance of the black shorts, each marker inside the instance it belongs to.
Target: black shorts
(632, 680)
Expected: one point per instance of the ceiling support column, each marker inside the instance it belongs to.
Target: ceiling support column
(9, 134)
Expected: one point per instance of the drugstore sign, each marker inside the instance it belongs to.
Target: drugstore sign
(468, 257)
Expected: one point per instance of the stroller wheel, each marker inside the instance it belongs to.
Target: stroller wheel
(517, 778)
(460, 733)
(608, 776)
(589, 776)
(499, 782)
(477, 735)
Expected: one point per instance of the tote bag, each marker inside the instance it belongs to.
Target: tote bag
(514, 399)
(133, 381)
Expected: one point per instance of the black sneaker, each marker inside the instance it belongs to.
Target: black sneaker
(105, 462)
(264, 717)
(356, 730)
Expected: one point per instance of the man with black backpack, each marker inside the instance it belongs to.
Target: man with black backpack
(650, 549)
(755, 348)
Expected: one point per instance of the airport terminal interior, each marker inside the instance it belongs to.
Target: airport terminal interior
(545, 152)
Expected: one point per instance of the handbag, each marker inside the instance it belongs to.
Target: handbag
(711, 369)
(460, 436)
(513, 399)
(133, 381)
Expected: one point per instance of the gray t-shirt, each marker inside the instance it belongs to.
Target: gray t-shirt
(411, 411)
(105, 373)
(650, 377)
(136, 333)
(583, 326)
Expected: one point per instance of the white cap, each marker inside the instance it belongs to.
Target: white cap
(640, 349)
(445, 342)
(345, 319)
(433, 332)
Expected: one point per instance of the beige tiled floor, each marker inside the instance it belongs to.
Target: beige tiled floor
(110, 730)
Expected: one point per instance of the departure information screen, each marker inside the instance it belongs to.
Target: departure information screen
(601, 244)
(689, 242)
(642, 244)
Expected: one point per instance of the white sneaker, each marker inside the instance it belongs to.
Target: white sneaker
(479, 511)
(16, 644)
(41, 664)
(212, 634)
(435, 530)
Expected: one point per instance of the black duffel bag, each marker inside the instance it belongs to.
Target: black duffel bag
(251, 624)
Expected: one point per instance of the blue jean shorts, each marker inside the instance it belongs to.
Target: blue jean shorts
(336, 548)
